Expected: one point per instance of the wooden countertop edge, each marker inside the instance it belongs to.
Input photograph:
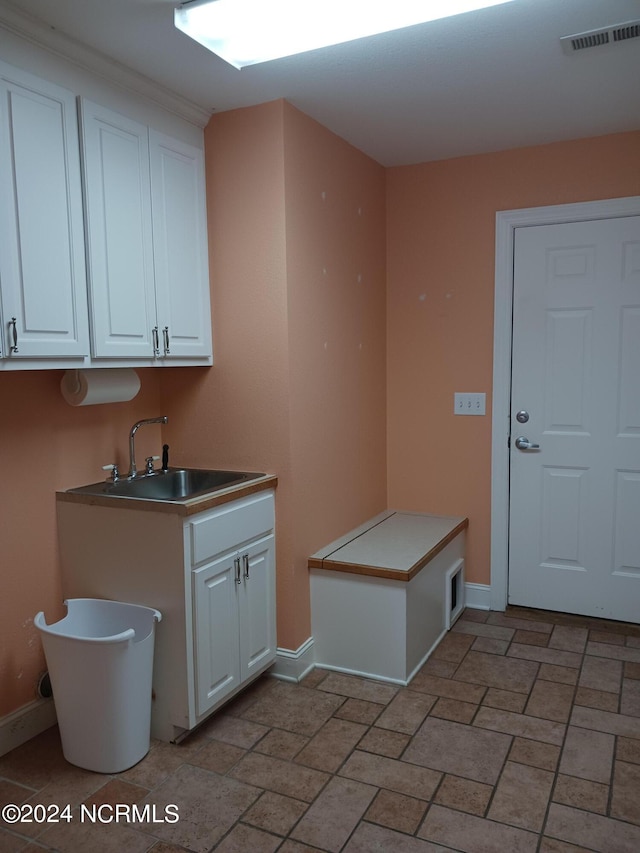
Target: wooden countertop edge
(389, 574)
(185, 508)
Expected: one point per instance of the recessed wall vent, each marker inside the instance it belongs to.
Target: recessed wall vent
(596, 38)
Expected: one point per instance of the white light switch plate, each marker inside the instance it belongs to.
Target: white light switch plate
(469, 404)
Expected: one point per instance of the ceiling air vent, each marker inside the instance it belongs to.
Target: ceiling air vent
(596, 38)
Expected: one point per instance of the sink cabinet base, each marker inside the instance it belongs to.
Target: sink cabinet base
(186, 568)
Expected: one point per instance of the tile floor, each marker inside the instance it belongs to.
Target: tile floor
(521, 734)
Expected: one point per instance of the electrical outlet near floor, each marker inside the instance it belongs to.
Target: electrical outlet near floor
(469, 404)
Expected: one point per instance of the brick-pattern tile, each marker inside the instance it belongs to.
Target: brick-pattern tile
(550, 701)
(520, 724)
(464, 795)
(521, 796)
(494, 632)
(462, 750)
(452, 709)
(532, 638)
(331, 745)
(625, 803)
(587, 755)
(568, 638)
(505, 700)
(468, 833)
(537, 754)
(334, 815)
(396, 811)
(599, 699)
(496, 671)
(582, 794)
(555, 657)
(275, 813)
(601, 674)
(282, 777)
(384, 742)
(492, 647)
(406, 711)
(399, 776)
(596, 832)
(521, 733)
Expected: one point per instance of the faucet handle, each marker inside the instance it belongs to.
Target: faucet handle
(149, 461)
(115, 476)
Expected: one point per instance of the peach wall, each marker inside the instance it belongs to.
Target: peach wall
(236, 414)
(335, 228)
(46, 445)
(441, 244)
(276, 398)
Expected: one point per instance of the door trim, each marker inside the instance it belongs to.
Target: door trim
(506, 223)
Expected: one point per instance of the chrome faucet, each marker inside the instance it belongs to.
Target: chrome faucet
(132, 451)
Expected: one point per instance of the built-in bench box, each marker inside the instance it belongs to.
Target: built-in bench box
(383, 596)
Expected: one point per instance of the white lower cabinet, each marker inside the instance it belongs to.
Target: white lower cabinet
(211, 575)
(234, 626)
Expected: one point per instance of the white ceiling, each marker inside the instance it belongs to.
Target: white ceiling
(482, 81)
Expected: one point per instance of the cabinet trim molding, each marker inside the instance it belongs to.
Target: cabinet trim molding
(59, 44)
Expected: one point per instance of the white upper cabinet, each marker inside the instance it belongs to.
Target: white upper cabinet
(42, 262)
(119, 235)
(180, 246)
(146, 241)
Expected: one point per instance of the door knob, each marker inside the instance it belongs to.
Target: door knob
(523, 443)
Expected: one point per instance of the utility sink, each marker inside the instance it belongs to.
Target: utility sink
(175, 484)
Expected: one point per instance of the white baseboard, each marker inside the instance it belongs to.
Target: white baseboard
(294, 665)
(27, 722)
(361, 674)
(477, 596)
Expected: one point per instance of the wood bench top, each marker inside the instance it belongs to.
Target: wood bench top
(393, 545)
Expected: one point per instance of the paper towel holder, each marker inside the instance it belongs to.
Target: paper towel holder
(81, 387)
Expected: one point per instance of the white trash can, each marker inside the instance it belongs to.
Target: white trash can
(100, 660)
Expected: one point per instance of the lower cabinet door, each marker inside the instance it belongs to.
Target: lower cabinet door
(217, 652)
(256, 600)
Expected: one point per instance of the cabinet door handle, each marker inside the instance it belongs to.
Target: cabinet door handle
(236, 563)
(13, 326)
(165, 334)
(156, 343)
(245, 560)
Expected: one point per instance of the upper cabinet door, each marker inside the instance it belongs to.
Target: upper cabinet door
(42, 261)
(119, 234)
(180, 247)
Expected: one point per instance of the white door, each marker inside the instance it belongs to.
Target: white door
(574, 535)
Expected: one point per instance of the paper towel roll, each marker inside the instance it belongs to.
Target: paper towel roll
(101, 385)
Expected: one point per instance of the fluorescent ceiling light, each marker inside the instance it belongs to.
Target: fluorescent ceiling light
(246, 32)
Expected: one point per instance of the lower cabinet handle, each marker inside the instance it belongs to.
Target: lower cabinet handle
(14, 328)
(245, 560)
(165, 334)
(236, 563)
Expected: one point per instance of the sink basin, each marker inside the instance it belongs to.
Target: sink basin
(176, 484)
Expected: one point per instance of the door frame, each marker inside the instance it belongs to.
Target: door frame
(506, 223)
